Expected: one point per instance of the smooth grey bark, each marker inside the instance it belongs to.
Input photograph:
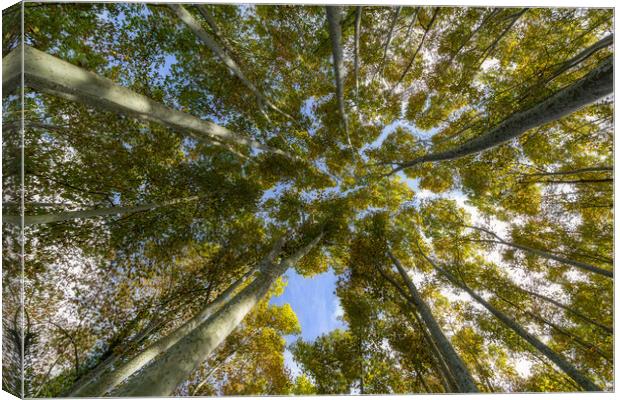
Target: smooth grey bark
(584, 382)
(101, 385)
(335, 34)
(210, 20)
(94, 375)
(221, 53)
(597, 84)
(581, 57)
(356, 46)
(544, 254)
(52, 75)
(577, 339)
(98, 212)
(464, 380)
(439, 364)
(570, 310)
(161, 377)
(448, 381)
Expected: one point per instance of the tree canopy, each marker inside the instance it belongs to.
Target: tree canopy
(165, 165)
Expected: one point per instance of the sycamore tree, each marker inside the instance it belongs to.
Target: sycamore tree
(165, 165)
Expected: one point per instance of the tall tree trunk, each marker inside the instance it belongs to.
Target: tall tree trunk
(581, 342)
(579, 58)
(389, 40)
(408, 67)
(98, 212)
(570, 310)
(207, 39)
(356, 46)
(574, 171)
(95, 374)
(57, 77)
(464, 380)
(420, 377)
(544, 254)
(161, 377)
(556, 358)
(489, 50)
(597, 84)
(438, 362)
(473, 33)
(334, 15)
(99, 387)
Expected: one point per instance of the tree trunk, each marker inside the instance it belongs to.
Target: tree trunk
(570, 310)
(420, 377)
(335, 34)
(581, 342)
(550, 256)
(356, 45)
(489, 50)
(597, 84)
(581, 57)
(574, 171)
(94, 374)
(99, 387)
(574, 181)
(408, 67)
(389, 40)
(464, 380)
(99, 212)
(57, 77)
(557, 359)
(161, 377)
(439, 363)
(207, 39)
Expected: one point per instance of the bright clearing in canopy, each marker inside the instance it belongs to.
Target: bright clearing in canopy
(450, 166)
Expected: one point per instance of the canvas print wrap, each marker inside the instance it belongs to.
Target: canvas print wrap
(243, 199)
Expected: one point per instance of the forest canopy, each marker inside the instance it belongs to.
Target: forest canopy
(168, 164)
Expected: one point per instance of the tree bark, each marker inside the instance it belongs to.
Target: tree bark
(574, 181)
(356, 45)
(99, 387)
(550, 256)
(438, 362)
(94, 374)
(473, 33)
(597, 84)
(464, 380)
(566, 308)
(57, 77)
(389, 40)
(335, 33)
(581, 57)
(408, 67)
(487, 52)
(583, 381)
(99, 212)
(207, 39)
(585, 345)
(161, 377)
(573, 172)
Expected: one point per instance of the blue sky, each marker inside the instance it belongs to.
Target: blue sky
(316, 305)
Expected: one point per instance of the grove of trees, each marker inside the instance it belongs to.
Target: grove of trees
(164, 166)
